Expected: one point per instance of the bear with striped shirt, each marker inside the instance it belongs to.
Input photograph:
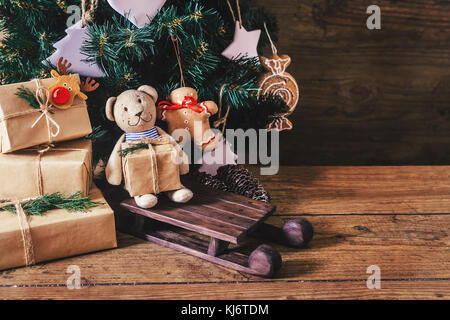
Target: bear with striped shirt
(134, 111)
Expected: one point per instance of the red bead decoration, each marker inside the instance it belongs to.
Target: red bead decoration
(60, 95)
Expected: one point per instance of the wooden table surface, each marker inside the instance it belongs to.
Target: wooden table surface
(396, 218)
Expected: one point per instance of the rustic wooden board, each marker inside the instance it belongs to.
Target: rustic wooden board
(359, 190)
(367, 97)
(404, 247)
(303, 290)
(221, 215)
(410, 249)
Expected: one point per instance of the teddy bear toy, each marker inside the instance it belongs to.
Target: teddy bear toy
(185, 112)
(134, 111)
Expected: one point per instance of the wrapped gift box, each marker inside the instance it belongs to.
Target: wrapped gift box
(17, 118)
(66, 168)
(57, 234)
(152, 169)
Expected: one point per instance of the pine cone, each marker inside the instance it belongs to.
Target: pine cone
(209, 181)
(236, 179)
(239, 180)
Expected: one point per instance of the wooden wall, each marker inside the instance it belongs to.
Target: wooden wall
(367, 97)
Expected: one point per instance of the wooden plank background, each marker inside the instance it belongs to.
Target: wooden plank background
(367, 97)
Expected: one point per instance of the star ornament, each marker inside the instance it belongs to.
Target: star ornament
(139, 12)
(245, 44)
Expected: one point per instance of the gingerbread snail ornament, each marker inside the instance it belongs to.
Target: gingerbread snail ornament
(277, 81)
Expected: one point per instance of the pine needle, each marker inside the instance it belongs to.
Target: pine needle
(97, 133)
(28, 95)
(73, 203)
(130, 150)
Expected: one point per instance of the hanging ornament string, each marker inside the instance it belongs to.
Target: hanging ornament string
(176, 47)
(274, 49)
(238, 10)
(221, 121)
(280, 83)
(87, 14)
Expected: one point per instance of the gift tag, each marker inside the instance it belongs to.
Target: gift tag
(139, 12)
(245, 43)
(70, 48)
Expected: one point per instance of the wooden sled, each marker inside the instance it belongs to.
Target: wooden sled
(224, 218)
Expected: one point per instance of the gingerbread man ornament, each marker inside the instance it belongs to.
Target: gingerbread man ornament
(185, 112)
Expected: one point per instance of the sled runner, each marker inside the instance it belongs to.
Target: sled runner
(222, 218)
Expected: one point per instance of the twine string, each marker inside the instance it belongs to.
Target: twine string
(87, 14)
(176, 47)
(238, 10)
(274, 49)
(24, 229)
(42, 97)
(222, 120)
(22, 218)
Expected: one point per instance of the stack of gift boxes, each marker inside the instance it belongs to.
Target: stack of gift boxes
(43, 152)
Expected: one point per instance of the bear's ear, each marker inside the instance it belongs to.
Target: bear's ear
(150, 91)
(109, 109)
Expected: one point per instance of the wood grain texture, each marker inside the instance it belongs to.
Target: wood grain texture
(405, 247)
(359, 190)
(303, 290)
(367, 97)
(411, 249)
(222, 215)
(176, 238)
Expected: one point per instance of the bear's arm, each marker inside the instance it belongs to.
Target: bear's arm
(113, 169)
(184, 165)
(211, 107)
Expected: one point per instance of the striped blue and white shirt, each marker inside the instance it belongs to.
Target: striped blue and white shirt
(151, 133)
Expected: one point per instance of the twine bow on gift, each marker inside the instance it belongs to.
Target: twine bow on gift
(43, 98)
(188, 102)
(24, 229)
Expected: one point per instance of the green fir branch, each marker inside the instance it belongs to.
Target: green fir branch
(131, 56)
(29, 96)
(73, 203)
(97, 133)
(132, 149)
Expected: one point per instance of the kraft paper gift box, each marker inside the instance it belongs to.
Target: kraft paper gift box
(151, 170)
(66, 168)
(17, 118)
(56, 234)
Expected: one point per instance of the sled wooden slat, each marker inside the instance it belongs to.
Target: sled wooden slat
(220, 215)
(173, 238)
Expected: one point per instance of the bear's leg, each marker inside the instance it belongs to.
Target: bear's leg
(182, 195)
(146, 201)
